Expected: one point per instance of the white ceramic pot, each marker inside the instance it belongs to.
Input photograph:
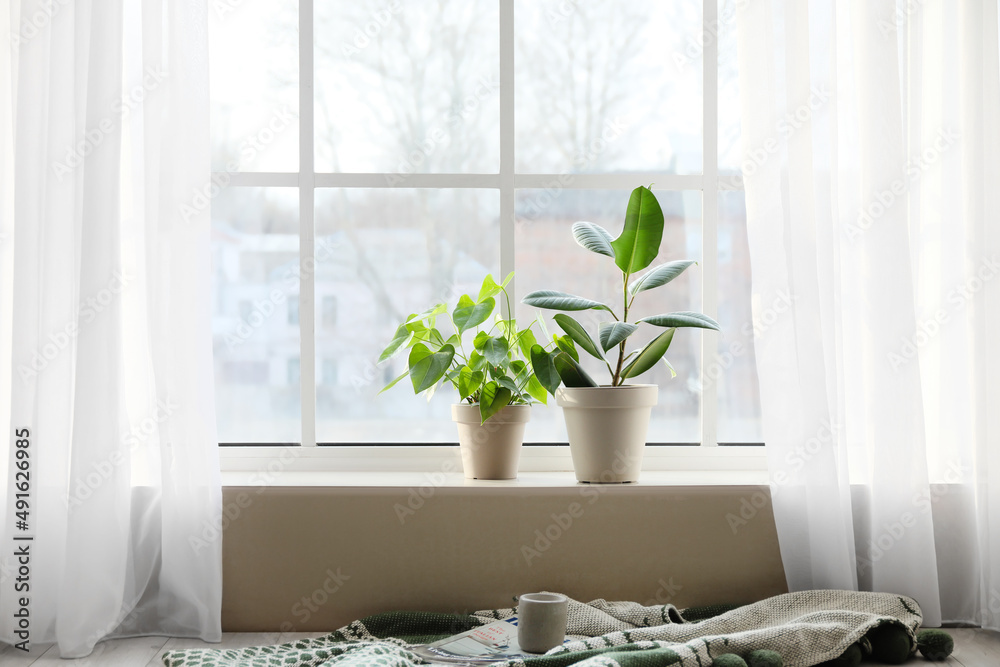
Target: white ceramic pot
(607, 429)
(490, 450)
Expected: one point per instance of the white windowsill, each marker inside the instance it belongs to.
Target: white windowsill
(540, 467)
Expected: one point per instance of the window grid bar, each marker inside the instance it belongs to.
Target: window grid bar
(710, 213)
(507, 193)
(307, 230)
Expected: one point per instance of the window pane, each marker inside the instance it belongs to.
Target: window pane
(381, 255)
(255, 248)
(407, 86)
(608, 86)
(730, 148)
(254, 80)
(547, 257)
(734, 369)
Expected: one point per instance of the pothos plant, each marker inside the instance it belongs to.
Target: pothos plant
(492, 372)
(633, 250)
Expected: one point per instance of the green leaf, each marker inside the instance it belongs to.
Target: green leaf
(433, 311)
(495, 350)
(505, 381)
(468, 314)
(594, 238)
(490, 287)
(526, 341)
(480, 340)
(469, 381)
(660, 275)
(613, 333)
(545, 369)
(418, 352)
(565, 343)
(537, 391)
(492, 400)
(579, 335)
(562, 301)
(639, 242)
(394, 382)
(477, 362)
(673, 373)
(649, 355)
(400, 337)
(518, 368)
(428, 369)
(571, 373)
(682, 319)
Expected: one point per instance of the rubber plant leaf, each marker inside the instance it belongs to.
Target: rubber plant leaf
(649, 355)
(639, 242)
(594, 238)
(579, 335)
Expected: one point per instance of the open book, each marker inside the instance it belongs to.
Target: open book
(493, 642)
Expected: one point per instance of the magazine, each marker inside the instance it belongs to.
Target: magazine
(486, 644)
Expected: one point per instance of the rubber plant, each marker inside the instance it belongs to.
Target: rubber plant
(632, 252)
(493, 371)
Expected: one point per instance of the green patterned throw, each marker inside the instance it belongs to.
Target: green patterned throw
(805, 629)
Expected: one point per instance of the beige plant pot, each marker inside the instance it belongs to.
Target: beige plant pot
(490, 450)
(607, 429)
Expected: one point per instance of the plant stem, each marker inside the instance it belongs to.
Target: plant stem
(617, 379)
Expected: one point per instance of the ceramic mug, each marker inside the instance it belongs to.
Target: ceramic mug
(541, 621)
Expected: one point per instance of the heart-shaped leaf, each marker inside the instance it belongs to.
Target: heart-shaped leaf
(477, 361)
(660, 275)
(682, 319)
(398, 338)
(613, 333)
(490, 287)
(428, 369)
(649, 355)
(537, 391)
(492, 400)
(480, 340)
(639, 242)
(553, 300)
(495, 350)
(594, 238)
(579, 335)
(468, 314)
(526, 341)
(571, 373)
(545, 369)
(469, 381)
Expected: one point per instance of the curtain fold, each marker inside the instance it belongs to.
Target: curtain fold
(110, 375)
(876, 209)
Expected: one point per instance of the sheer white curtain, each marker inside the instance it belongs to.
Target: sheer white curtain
(870, 133)
(107, 379)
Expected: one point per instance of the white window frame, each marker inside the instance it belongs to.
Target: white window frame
(307, 456)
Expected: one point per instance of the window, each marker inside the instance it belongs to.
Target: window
(372, 157)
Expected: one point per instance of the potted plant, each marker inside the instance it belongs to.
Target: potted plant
(495, 383)
(607, 424)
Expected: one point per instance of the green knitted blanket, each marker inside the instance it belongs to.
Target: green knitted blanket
(806, 628)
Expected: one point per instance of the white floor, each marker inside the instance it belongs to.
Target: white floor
(973, 648)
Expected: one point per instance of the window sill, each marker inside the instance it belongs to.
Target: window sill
(540, 466)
